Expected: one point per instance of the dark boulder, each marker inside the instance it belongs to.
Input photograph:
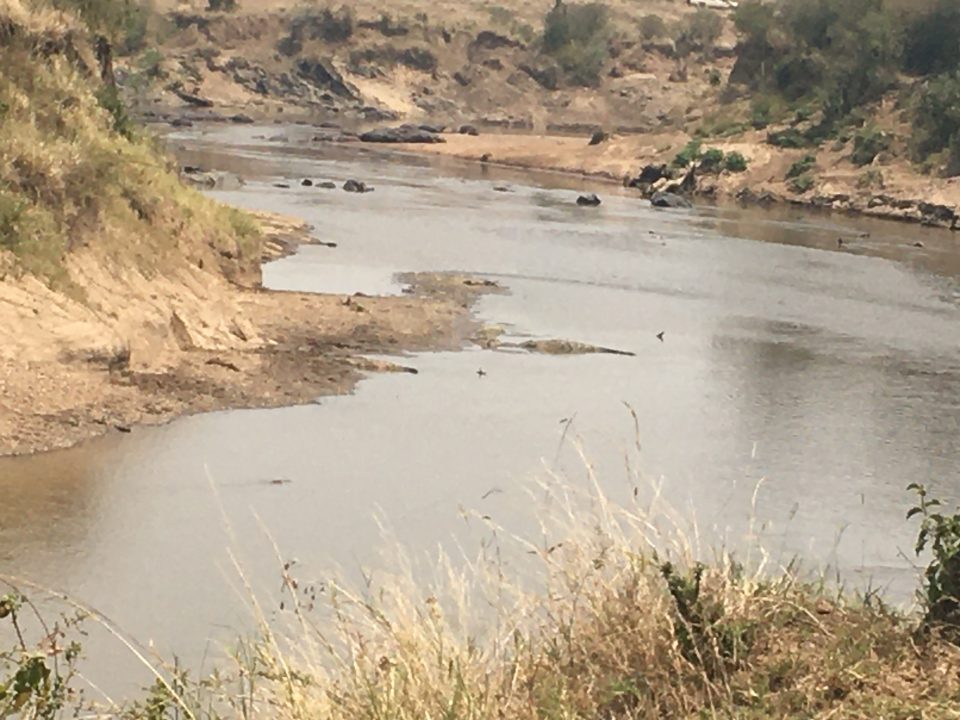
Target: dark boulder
(357, 186)
(181, 123)
(590, 200)
(306, 182)
(669, 200)
(468, 130)
(401, 134)
(327, 185)
(436, 129)
(241, 119)
(598, 136)
(940, 215)
(649, 175)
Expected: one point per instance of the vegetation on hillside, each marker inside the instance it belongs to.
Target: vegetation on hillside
(577, 36)
(839, 58)
(76, 173)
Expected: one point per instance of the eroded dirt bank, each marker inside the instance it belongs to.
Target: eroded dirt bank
(190, 342)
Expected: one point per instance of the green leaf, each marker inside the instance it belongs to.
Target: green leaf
(913, 511)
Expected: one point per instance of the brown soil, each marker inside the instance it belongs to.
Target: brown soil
(192, 342)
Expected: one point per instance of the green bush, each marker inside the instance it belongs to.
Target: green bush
(577, 36)
(936, 117)
(150, 63)
(940, 533)
(124, 22)
(930, 40)
(735, 162)
(712, 160)
(802, 166)
(11, 211)
(867, 144)
(689, 154)
(703, 28)
(802, 184)
(839, 55)
(109, 98)
(652, 27)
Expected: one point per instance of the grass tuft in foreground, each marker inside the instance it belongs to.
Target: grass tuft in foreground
(590, 621)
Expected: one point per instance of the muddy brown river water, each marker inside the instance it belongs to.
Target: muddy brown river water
(830, 377)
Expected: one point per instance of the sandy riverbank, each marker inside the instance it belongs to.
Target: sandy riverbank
(74, 373)
(903, 195)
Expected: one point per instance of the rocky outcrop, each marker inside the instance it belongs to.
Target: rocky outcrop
(546, 77)
(188, 97)
(649, 176)
(323, 75)
(590, 200)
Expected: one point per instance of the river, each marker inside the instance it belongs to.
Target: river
(827, 377)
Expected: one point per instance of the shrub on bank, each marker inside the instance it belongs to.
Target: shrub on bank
(801, 184)
(802, 166)
(689, 155)
(735, 162)
(867, 144)
(577, 36)
(652, 27)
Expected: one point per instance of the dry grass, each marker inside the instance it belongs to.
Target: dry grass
(605, 615)
(75, 174)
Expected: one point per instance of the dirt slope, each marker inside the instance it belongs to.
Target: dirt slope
(127, 297)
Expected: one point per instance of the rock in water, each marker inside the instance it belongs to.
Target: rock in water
(669, 200)
(356, 186)
(590, 200)
(306, 182)
(402, 134)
